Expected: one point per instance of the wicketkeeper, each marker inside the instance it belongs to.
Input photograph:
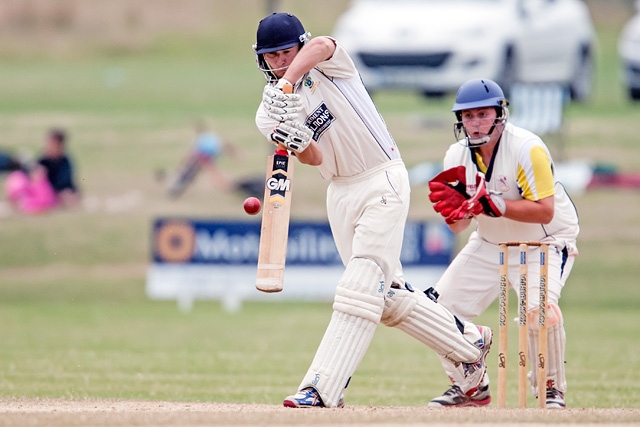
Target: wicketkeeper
(502, 177)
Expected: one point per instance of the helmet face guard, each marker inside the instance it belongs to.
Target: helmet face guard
(479, 93)
(461, 134)
(278, 31)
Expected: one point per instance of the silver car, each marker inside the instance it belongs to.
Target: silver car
(629, 49)
(433, 46)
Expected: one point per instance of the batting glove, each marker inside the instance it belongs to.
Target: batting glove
(293, 135)
(281, 106)
(282, 110)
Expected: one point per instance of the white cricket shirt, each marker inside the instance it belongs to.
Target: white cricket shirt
(522, 168)
(347, 126)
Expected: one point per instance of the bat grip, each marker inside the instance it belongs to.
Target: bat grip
(287, 88)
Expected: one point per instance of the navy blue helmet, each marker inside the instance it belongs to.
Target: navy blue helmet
(277, 31)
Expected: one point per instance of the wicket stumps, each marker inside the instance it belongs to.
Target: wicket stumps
(503, 330)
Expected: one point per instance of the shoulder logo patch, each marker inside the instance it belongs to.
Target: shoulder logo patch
(309, 83)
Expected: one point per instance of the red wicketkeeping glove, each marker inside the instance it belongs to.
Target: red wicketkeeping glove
(484, 201)
(448, 191)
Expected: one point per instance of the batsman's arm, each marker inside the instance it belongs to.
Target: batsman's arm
(317, 50)
(311, 156)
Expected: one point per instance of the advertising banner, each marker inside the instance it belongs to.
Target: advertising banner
(211, 259)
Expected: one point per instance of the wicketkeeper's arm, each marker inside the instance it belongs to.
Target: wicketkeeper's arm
(538, 212)
(459, 226)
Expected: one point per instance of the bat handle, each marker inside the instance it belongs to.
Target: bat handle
(287, 88)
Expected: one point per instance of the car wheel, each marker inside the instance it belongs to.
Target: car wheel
(431, 94)
(580, 86)
(634, 93)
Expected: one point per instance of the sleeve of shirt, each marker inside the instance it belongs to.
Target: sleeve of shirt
(535, 174)
(452, 157)
(339, 65)
(265, 124)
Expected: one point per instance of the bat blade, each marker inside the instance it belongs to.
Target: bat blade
(274, 232)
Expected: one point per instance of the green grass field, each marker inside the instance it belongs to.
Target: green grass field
(75, 322)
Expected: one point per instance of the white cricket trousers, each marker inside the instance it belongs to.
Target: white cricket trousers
(367, 214)
(471, 282)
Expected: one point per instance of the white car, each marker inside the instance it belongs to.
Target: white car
(433, 46)
(629, 49)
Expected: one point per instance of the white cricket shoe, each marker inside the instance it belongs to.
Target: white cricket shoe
(555, 399)
(308, 398)
(454, 397)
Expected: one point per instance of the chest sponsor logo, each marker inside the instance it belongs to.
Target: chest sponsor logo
(320, 120)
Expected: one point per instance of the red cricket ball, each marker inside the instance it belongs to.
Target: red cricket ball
(252, 205)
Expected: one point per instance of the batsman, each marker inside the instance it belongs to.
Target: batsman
(502, 179)
(329, 121)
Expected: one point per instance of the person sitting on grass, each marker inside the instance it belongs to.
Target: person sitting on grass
(207, 149)
(49, 184)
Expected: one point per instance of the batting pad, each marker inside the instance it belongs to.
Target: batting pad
(357, 308)
(431, 324)
(556, 344)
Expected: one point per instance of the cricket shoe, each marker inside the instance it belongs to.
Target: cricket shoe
(308, 398)
(474, 373)
(482, 396)
(455, 397)
(555, 399)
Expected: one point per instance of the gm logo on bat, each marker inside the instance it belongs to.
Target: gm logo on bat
(278, 184)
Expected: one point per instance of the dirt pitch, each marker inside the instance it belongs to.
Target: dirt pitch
(60, 412)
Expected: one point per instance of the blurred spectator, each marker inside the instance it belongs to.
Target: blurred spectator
(8, 163)
(207, 149)
(49, 183)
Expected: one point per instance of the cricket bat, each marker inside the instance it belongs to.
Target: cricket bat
(276, 208)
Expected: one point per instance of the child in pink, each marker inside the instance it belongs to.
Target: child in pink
(30, 195)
